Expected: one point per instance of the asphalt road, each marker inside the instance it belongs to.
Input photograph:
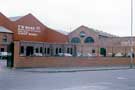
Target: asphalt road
(19, 79)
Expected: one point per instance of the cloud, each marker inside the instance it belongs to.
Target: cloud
(112, 16)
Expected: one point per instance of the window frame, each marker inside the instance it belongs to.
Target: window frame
(75, 40)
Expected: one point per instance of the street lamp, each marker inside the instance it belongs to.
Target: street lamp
(131, 39)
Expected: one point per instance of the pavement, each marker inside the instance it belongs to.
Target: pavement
(66, 69)
(75, 78)
(73, 69)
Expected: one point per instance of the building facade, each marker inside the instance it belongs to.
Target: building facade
(92, 42)
(6, 37)
(36, 39)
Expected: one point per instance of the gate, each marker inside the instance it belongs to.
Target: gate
(10, 57)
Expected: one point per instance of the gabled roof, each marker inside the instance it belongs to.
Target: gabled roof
(62, 32)
(15, 18)
(4, 30)
(82, 27)
(105, 34)
(96, 31)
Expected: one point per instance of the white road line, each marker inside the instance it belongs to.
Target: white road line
(122, 78)
(92, 87)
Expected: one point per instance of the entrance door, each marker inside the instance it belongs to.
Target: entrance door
(103, 51)
(29, 51)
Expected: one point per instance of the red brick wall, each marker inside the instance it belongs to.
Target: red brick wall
(20, 62)
(68, 62)
(29, 20)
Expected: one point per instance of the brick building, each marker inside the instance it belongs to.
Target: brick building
(37, 39)
(92, 42)
(6, 35)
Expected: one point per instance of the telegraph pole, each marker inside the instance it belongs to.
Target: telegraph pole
(131, 39)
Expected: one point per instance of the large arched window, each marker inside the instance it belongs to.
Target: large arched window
(75, 40)
(89, 40)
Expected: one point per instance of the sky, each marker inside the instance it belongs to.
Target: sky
(112, 16)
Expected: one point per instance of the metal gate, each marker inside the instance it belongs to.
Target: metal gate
(10, 57)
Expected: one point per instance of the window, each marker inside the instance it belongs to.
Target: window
(89, 40)
(68, 50)
(29, 51)
(41, 50)
(45, 51)
(4, 38)
(56, 51)
(48, 50)
(82, 34)
(22, 50)
(93, 51)
(71, 51)
(75, 40)
(37, 50)
(2, 50)
(60, 50)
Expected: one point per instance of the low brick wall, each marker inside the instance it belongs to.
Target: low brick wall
(21, 62)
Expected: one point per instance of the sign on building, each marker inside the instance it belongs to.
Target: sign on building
(29, 30)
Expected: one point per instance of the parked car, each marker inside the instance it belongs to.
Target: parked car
(65, 54)
(119, 54)
(3, 55)
(38, 54)
(78, 54)
(86, 55)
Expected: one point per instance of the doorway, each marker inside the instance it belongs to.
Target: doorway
(29, 51)
(103, 51)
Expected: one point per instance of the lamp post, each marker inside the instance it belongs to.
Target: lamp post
(131, 39)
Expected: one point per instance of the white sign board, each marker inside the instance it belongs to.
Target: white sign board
(28, 30)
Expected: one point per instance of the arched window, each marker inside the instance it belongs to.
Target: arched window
(82, 34)
(89, 40)
(75, 40)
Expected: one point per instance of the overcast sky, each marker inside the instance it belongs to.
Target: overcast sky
(112, 16)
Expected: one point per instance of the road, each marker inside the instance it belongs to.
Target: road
(20, 79)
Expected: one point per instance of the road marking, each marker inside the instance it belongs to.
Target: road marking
(122, 78)
(92, 87)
